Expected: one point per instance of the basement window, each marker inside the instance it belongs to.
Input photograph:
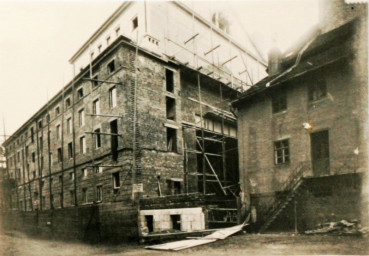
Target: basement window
(171, 139)
(80, 93)
(171, 108)
(97, 138)
(111, 66)
(176, 221)
(134, 23)
(169, 80)
(317, 90)
(150, 222)
(281, 152)
(68, 103)
(116, 180)
(279, 102)
(70, 150)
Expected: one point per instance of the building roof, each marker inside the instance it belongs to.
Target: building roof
(317, 51)
(197, 16)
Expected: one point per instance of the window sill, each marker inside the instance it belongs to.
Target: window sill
(280, 113)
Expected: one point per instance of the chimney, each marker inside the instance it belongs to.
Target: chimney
(274, 61)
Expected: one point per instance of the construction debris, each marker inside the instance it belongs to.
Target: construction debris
(342, 227)
(220, 234)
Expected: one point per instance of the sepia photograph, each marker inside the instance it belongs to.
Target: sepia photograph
(184, 127)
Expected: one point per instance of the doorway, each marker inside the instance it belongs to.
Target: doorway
(320, 153)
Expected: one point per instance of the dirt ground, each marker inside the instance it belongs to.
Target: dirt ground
(17, 244)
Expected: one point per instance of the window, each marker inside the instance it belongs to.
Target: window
(98, 169)
(71, 192)
(33, 157)
(108, 40)
(48, 118)
(84, 195)
(43, 201)
(40, 124)
(60, 155)
(80, 93)
(279, 102)
(117, 31)
(32, 135)
(169, 80)
(135, 23)
(114, 139)
(71, 175)
(82, 144)
(70, 150)
(111, 66)
(281, 152)
(42, 163)
(116, 180)
(58, 132)
(171, 108)
(51, 157)
(60, 179)
(96, 107)
(97, 138)
(57, 111)
(81, 117)
(112, 97)
(99, 193)
(84, 172)
(69, 125)
(67, 103)
(34, 174)
(171, 139)
(318, 90)
(95, 83)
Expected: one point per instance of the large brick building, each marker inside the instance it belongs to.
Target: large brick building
(303, 129)
(143, 118)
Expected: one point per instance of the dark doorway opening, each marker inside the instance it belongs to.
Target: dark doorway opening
(320, 152)
(176, 221)
(150, 222)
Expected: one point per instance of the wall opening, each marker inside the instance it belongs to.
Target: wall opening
(171, 108)
(150, 222)
(114, 139)
(176, 221)
(171, 139)
(169, 80)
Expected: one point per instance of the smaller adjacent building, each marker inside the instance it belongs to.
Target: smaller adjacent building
(302, 132)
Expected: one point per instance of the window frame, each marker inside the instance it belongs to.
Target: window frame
(316, 87)
(279, 148)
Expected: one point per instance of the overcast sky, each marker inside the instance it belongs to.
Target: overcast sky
(38, 38)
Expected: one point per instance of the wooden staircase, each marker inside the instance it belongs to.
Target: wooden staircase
(291, 189)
